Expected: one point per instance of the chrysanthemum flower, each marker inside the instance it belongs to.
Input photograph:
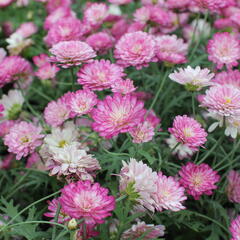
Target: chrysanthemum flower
(27, 29)
(52, 208)
(5, 3)
(214, 5)
(14, 68)
(192, 79)
(153, 119)
(120, 2)
(100, 74)
(47, 71)
(101, 42)
(188, 131)
(178, 4)
(182, 150)
(117, 114)
(23, 138)
(123, 86)
(41, 59)
(170, 49)
(5, 127)
(198, 179)
(142, 133)
(12, 104)
(138, 181)
(135, 49)
(88, 201)
(235, 228)
(54, 4)
(169, 194)
(233, 187)
(71, 53)
(82, 102)
(224, 49)
(139, 229)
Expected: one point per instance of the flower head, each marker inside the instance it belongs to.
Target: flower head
(235, 228)
(23, 138)
(231, 78)
(117, 114)
(86, 200)
(71, 53)
(135, 49)
(188, 131)
(224, 49)
(47, 71)
(123, 86)
(233, 187)
(214, 5)
(198, 179)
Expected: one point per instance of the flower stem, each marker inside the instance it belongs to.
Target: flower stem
(73, 80)
(193, 105)
(56, 221)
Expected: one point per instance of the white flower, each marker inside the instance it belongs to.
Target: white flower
(12, 104)
(202, 28)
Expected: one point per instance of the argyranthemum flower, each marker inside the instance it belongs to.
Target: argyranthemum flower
(224, 49)
(117, 114)
(235, 228)
(14, 68)
(123, 86)
(188, 131)
(198, 179)
(82, 102)
(170, 49)
(71, 53)
(135, 49)
(52, 208)
(12, 104)
(192, 79)
(233, 187)
(138, 181)
(138, 230)
(169, 194)
(100, 74)
(88, 201)
(23, 138)
(143, 132)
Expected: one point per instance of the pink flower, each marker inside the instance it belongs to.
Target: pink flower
(5, 163)
(120, 2)
(52, 207)
(117, 114)
(52, 5)
(235, 228)
(123, 86)
(5, 127)
(32, 160)
(171, 49)
(188, 131)
(100, 74)
(14, 68)
(139, 229)
(233, 187)
(23, 138)
(222, 100)
(1, 110)
(169, 194)
(142, 133)
(231, 78)
(82, 102)
(3, 54)
(47, 71)
(27, 29)
(87, 230)
(101, 42)
(153, 119)
(41, 60)
(135, 49)
(66, 29)
(214, 5)
(56, 113)
(224, 49)
(138, 181)
(71, 53)
(88, 201)
(178, 4)
(5, 3)
(198, 179)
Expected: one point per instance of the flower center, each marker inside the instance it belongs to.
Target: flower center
(25, 139)
(227, 100)
(62, 143)
(197, 180)
(188, 132)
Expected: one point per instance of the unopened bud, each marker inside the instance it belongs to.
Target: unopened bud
(72, 224)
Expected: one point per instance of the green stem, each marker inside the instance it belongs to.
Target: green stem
(56, 221)
(73, 79)
(193, 105)
(121, 198)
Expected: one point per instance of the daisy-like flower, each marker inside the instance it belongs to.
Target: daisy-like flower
(117, 114)
(169, 194)
(52, 208)
(14, 68)
(181, 4)
(5, 3)
(40, 60)
(5, 127)
(139, 229)
(82, 102)
(54, 4)
(214, 5)
(123, 86)
(182, 150)
(120, 2)
(100, 74)
(142, 133)
(192, 79)
(23, 138)
(224, 49)
(135, 49)
(88, 201)
(71, 53)
(233, 187)
(47, 71)
(188, 131)
(198, 179)
(12, 104)
(170, 49)
(138, 181)
(235, 228)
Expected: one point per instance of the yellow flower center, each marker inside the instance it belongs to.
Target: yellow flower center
(228, 100)
(188, 132)
(24, 139)
(62, 143)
